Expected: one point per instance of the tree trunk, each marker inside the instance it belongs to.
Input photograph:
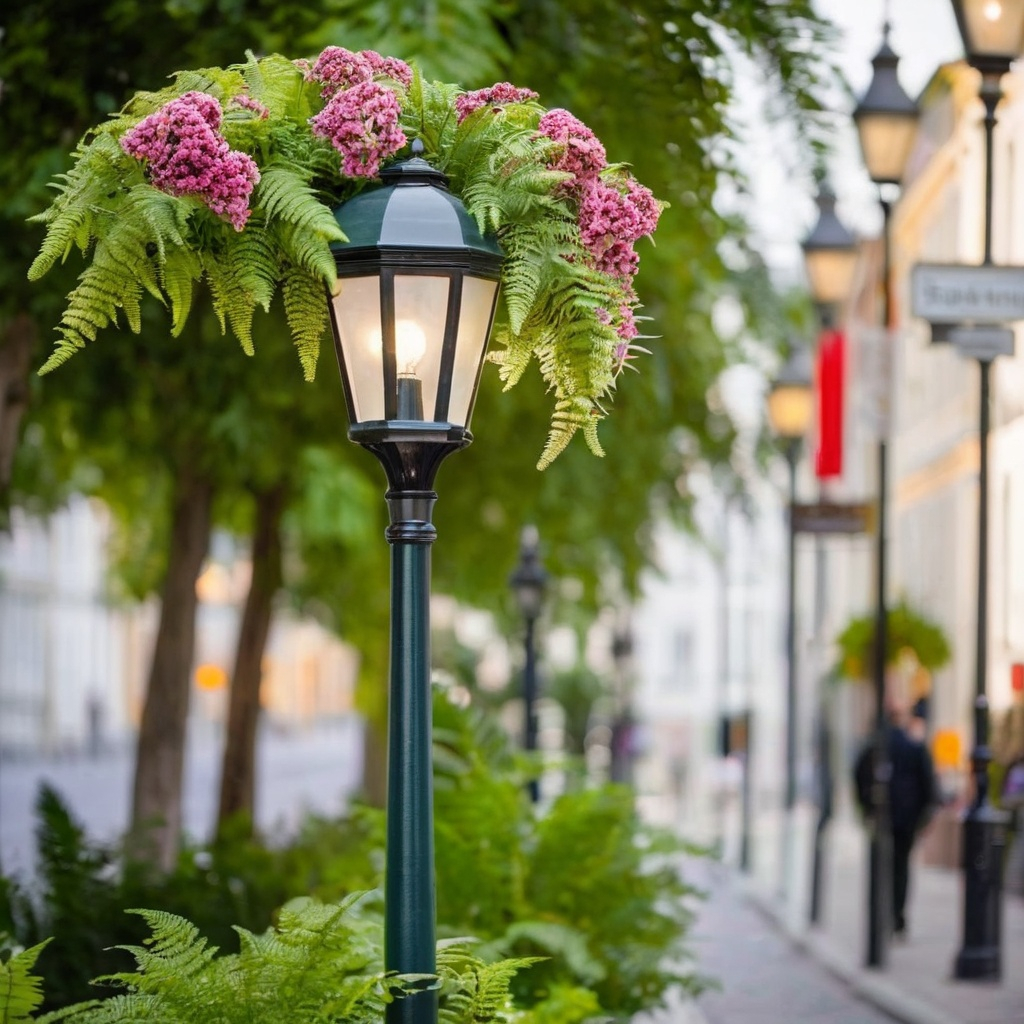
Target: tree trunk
(15, 363)
(238, 772)
(160, 756)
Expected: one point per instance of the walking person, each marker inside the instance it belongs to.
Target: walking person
(913, 795)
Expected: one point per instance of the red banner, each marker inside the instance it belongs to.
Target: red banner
(830, 372)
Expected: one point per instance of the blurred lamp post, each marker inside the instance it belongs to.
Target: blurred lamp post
(993, 37)
(622, 724)
(886, 120)
(790, 411)
(411, 313)
(528, 582)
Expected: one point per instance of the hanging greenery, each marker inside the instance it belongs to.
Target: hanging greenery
(907, 632)
(228, 178)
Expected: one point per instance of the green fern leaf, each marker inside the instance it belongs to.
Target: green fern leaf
(20, 990)
(306, 310)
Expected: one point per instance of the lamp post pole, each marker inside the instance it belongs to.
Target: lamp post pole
(529, 582)
(886, 119)
(984, 826)
(880, 920)
(993, 37)
(790, 410)
(792, 458)
(410, 326)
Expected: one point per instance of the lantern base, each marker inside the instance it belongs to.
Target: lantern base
(410, 450)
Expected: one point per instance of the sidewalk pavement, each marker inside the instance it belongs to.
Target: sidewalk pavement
(916, 986)
(762, 978)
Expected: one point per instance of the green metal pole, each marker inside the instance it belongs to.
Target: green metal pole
(410, 908)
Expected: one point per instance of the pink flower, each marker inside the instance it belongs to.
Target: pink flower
(186, 155)
(361, 123)
(647, 208)
(337, 68)
(498, 94)
(388, 67)
(603, 316)
(611, 221)
(582, 154)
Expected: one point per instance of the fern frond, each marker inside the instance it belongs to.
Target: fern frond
(285, 194)
(20, 990)
(473, 991)
(306, 310)
(80, 195)
(571, 414)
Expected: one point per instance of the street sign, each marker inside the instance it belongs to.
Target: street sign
(982, 342)
(832, 517)
(955, 293)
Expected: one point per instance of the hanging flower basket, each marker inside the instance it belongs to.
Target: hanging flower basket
(908, 633)
(227, 180)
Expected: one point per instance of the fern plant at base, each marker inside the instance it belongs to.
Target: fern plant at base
(221, 187)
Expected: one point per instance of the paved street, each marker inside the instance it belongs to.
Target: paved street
(764, 978)
(310, 770)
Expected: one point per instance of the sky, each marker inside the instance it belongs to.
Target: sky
(924, 35)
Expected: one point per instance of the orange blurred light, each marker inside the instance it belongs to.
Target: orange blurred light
(946, 749)
(211, 677)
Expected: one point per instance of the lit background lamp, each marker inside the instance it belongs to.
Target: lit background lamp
(411, 313)
(886, 119)
(992, 32)
(830, 255)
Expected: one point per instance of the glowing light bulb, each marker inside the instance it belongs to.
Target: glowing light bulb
(993, 10)
(410, 346)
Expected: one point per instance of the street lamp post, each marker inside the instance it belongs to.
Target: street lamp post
(622, 723)
(528, 582)
(411, 313)
(790, 410)
(886, 120)
(993, 36)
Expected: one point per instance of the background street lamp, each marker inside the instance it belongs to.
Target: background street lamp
(528, 582)
(790, 411)
(886, 120)
(411, 313)
(830, 257)
(623, 726)
(993, 37)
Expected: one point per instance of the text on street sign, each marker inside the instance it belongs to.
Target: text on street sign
(953, 293)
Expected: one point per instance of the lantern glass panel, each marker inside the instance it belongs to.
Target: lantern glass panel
(421, 312)
(791, 409)
(886, 142)
(474, 326)
(355, 307)
(831, 273)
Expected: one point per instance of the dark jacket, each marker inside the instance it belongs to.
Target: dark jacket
(913, 789)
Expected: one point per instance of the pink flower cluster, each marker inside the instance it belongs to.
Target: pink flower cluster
(361, 123)
(337, 68)
(612, 221)
(497, 95)
(361, 116)
(187, 155)
(582, 154)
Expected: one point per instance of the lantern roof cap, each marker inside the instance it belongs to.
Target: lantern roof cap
(413, 209)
